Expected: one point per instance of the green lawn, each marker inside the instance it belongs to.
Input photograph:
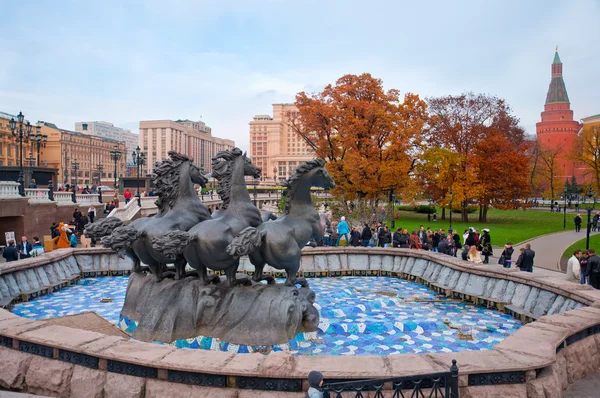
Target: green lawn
(505, 225)
(594, 244)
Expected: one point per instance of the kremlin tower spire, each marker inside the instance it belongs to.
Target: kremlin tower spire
(558, 131)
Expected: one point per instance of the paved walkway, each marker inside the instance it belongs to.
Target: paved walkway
(548, 248)
(588, 387)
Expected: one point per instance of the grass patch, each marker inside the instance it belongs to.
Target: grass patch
(505, 225)
(580, 244)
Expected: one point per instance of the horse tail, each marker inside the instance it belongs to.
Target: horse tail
(172, 243)
(248, 240)
(121, 238)
(102, 227)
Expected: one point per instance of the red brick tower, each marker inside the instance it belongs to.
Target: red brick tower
(558, 130)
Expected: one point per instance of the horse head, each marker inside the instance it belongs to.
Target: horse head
(197, 177)
(174, 178)
(251, 169)
(321, 178)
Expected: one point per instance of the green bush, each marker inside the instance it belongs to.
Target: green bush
(470, 209)
(406, 207)
(425, 209)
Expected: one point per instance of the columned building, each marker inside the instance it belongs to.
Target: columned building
(275, 146)
(558, 131)
(192, 138)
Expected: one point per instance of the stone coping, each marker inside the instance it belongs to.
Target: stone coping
(49, 257)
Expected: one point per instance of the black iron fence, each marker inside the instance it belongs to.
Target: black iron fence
(435, 385)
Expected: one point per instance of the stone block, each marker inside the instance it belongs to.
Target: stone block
(375, 262)
(42, 277)
(535, 388)
(87, 383)
(14, 365)
(543, 303)
(320, 263)
(462, 281)
(278, 364)
(201, 361)
(444, 276)
(61, 336)
(498, 289)
(307, 263)
(4, 292)
(358, 261)
(123, 386)
(277, 394)
(387, 263)
(580, 359)
(22, 281)
(476, 285)
(495, 391)
(85, 262)
(161, 389)
(137, 352)
(32, 279)
(52, 275)
(489, 287)
(49, 377)
(343, 260)
(509, 292)
(453, 279)
(410, 262)
(567, 305)
(371, 366)
(102, 344)
(531, 299)
(521, 293)
(419, 267)
(333, 262)
(399, 263)
(435, 275)
(556, 305)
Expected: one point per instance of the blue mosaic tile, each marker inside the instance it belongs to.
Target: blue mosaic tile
(359, 316)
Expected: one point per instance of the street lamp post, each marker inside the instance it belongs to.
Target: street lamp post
(115, 155)
(450, 195)
(99, 170)
(139, 159)
(75, 165)
(30, 160)
(40, 141)
(589, 219)
(565, 210)
(392, 201)
(21, 134)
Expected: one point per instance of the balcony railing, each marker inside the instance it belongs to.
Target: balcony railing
(37, 195)
(63, 197)
(9, 190)
(440, 385)
(87, 199)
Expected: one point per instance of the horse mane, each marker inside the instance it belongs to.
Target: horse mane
(291, 184)
(222, 170)
(166, 179)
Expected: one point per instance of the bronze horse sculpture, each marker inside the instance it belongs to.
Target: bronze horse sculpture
(204, 245)
(179, 209)
(279, 242)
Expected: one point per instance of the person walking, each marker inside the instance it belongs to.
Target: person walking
(355, 237)
(593, 267)
(486, 246)
(583, 261)
(574, 267)
(24, 247)
(506, 255)
(343, 229)
(127, 195)
(385, 238)
(527, 259)
(91, 213)
(10, 253)
(32, 184)
(577, 220)
(366, 235)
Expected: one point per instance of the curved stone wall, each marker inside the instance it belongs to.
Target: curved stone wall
(538, 360)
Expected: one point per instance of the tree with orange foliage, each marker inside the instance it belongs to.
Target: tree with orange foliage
(370, 137)
(587, 151)
(474, 126)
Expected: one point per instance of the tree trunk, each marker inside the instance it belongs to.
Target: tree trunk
(480, 212)
(465, 212)
(485, 211)
(443, 213)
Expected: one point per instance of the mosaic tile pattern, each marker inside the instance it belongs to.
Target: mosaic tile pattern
(359, 316)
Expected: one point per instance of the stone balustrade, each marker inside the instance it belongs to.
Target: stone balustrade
(127, 212)
(37, 195)
(63, 198)
(9, 190)
(86, 199)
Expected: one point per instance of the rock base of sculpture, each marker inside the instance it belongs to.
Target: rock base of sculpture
(257, 315)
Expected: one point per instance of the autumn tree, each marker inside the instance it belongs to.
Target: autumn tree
(533, 153)
(463, 124)
(550, 166)
(587, 152)
(370, 137)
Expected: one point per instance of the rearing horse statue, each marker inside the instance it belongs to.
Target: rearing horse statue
(179, 209)
(279, 242)
(204, 245)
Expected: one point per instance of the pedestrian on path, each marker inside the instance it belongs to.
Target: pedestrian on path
(343, 229)
(486, 246)
(506, 255)
(594, 269)
(573, 267)
(526, 261)
(577, 221)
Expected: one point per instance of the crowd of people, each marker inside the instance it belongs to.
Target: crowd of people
(584, 267)
(472, 246)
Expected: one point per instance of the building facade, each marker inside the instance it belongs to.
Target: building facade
(9, 147)
(557, 130)
(66, 147)
(194, 139)
(274, 146)
(108, 130)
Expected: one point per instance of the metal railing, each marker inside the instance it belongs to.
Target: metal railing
(438, 385)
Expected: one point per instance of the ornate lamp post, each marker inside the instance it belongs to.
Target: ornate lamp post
(39, 140)
(30, 160)
(99, 170)
(589, 217)
(138, 159)
(21, 134)
(75, 166)
(565, 209)
(115, 155)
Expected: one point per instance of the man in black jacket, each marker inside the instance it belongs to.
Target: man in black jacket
(593, 269)
(396, 238)
(24, 247)
(366, 235)
(577, 221)
(10, 253)
(527, 260)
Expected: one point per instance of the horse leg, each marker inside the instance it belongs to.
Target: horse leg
(259, 265)
(156, 269)
(292, 280)
(180, 264)
(231, 272)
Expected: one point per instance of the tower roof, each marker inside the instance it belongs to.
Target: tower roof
(557, 92)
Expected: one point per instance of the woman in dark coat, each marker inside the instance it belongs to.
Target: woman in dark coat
(366, 235)
(486, 246)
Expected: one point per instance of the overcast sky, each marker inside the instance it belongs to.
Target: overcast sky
(225, 61)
